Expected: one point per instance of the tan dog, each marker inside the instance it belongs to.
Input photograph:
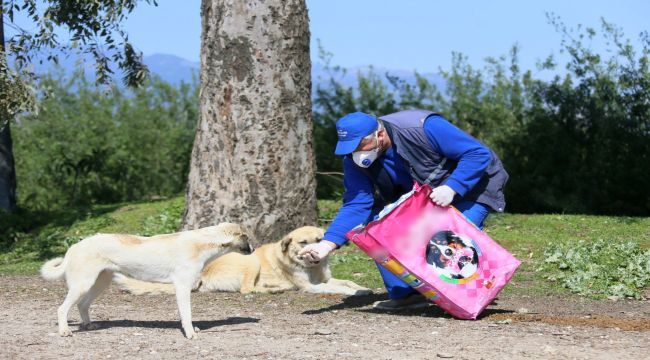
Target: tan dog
(271, 268)
(178, 258)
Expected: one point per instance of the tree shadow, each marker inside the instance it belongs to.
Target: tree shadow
(168, 324)
(43, 224)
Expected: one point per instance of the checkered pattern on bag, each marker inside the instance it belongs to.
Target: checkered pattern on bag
(484, 281)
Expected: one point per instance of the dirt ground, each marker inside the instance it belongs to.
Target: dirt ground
(303, 326)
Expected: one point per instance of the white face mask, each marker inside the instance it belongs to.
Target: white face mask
(365, 158)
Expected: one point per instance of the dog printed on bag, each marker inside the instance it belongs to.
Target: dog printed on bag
(453, 256)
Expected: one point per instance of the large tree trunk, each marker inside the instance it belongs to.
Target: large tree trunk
(7, 169)
(252, 160)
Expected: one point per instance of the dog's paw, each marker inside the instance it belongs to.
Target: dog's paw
(363, 292)
(65, 332)
(197, 330)
(89, 326)
(192, 335)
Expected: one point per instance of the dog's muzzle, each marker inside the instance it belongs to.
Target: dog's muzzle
(247, 249)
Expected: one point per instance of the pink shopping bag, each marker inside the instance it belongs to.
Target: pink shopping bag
(438, 252)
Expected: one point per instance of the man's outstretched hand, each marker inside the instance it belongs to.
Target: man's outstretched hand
(314, 253)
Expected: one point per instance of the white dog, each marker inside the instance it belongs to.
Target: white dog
(178, 258)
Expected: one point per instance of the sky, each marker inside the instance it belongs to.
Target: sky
(406, 34)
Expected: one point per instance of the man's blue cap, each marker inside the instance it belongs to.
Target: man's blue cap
(352, 128)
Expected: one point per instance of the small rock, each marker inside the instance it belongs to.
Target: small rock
(322, 332)
(505, 321)
(249, 296)
(614, 298)
(444, 355)
(138, 334)
(522, 311)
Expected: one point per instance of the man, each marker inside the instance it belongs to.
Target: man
(382, 158)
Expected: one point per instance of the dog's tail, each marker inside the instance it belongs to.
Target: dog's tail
(138, 287)
(53, 269)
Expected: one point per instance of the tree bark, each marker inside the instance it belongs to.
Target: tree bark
(252, 161)
(7, 168)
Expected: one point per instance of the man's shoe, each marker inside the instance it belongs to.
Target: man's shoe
(415, 301)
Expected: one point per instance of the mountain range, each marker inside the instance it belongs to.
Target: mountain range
(175, 69)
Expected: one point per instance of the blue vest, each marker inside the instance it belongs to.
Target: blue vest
(406, 131)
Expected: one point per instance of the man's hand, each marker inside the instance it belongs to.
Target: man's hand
(442, 195)
(314, 253)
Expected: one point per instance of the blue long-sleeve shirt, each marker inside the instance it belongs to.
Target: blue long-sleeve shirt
(445, 138)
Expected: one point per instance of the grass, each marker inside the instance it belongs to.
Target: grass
(526, 236)
(136, 218)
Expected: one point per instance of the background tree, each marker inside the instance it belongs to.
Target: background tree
(95, 28)
(12, 92)
(88, 146)
(252, 160)
(585, 144)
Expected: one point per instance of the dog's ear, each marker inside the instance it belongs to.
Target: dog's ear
(284, 244)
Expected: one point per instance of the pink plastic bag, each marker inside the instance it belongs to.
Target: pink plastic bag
(438, 252)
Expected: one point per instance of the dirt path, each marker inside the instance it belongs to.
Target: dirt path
(301, 326)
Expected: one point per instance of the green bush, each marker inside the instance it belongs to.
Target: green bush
(599, 269)
(88, 145)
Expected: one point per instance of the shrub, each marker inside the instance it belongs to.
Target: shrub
(599, 269)
(88, 146)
